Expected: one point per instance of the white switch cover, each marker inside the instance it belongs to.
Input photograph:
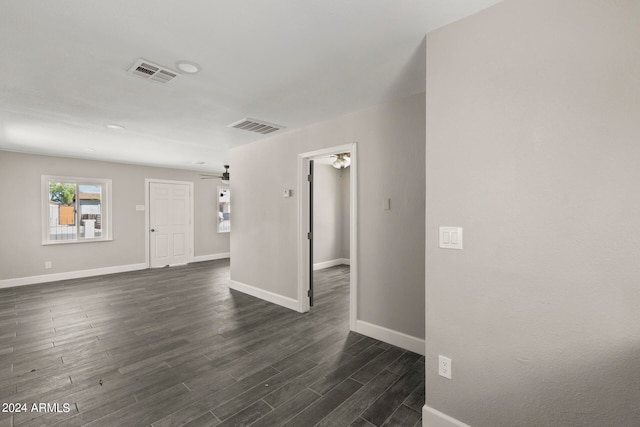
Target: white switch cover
(444, 366)
(139, 207)
(286, 193)
(386, 204)
(450, 237)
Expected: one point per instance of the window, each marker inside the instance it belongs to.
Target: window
(224, 210)
(75, 209)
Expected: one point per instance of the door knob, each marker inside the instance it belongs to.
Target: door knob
(153, 229)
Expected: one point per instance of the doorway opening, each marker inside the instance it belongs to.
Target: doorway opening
(327, 223)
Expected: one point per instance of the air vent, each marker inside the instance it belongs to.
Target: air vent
(254, 125)
(150, 71)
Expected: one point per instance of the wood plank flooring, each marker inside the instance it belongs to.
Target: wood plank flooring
(175, 346)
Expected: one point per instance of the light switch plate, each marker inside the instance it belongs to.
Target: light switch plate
(286, 193)
(450, 237)
(139, 207)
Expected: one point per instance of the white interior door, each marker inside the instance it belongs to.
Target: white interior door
(170, 239)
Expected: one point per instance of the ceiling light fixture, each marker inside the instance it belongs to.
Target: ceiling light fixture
(115, 126)
(188, 67)
(343, 161)
(198, 162)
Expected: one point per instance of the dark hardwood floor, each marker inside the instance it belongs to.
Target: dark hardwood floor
(175, 346)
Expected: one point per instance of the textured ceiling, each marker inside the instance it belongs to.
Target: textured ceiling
(291, 62)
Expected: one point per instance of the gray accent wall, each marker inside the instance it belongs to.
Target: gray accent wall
(21, 251)
(533, 146)
(330, 213)
(391, 163)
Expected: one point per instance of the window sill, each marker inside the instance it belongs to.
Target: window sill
(73, 242)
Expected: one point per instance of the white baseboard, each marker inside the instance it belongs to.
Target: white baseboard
(211, 257)
(331, 263)
(434, 418)
(399, 339)
(278, 299)
(54, 277)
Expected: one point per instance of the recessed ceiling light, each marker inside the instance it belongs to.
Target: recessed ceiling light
(199, 163)
(188, 67)
(115, 126)
(89, 149)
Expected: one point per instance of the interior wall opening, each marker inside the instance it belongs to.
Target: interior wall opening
(341, 248)
(330, 257)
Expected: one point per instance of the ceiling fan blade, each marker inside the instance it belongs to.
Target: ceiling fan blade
(208, 176)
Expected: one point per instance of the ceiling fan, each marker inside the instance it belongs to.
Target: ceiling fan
(224, 176)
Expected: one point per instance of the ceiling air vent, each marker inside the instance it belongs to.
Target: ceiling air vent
(254, 125)
(150, 71)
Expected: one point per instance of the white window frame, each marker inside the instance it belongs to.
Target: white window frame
(106, 211)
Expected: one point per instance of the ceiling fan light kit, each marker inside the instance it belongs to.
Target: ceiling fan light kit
(226, 175)
(342, 161)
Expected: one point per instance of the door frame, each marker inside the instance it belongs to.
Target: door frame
(303, 226)
(147, 219)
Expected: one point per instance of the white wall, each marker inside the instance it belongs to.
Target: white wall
(390, 141)
(21, 251)
(533, 131)
(330, 213)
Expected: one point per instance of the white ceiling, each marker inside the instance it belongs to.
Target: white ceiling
(291, 62)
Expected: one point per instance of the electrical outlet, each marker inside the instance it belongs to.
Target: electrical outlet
(47, 264)
(444, 366)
